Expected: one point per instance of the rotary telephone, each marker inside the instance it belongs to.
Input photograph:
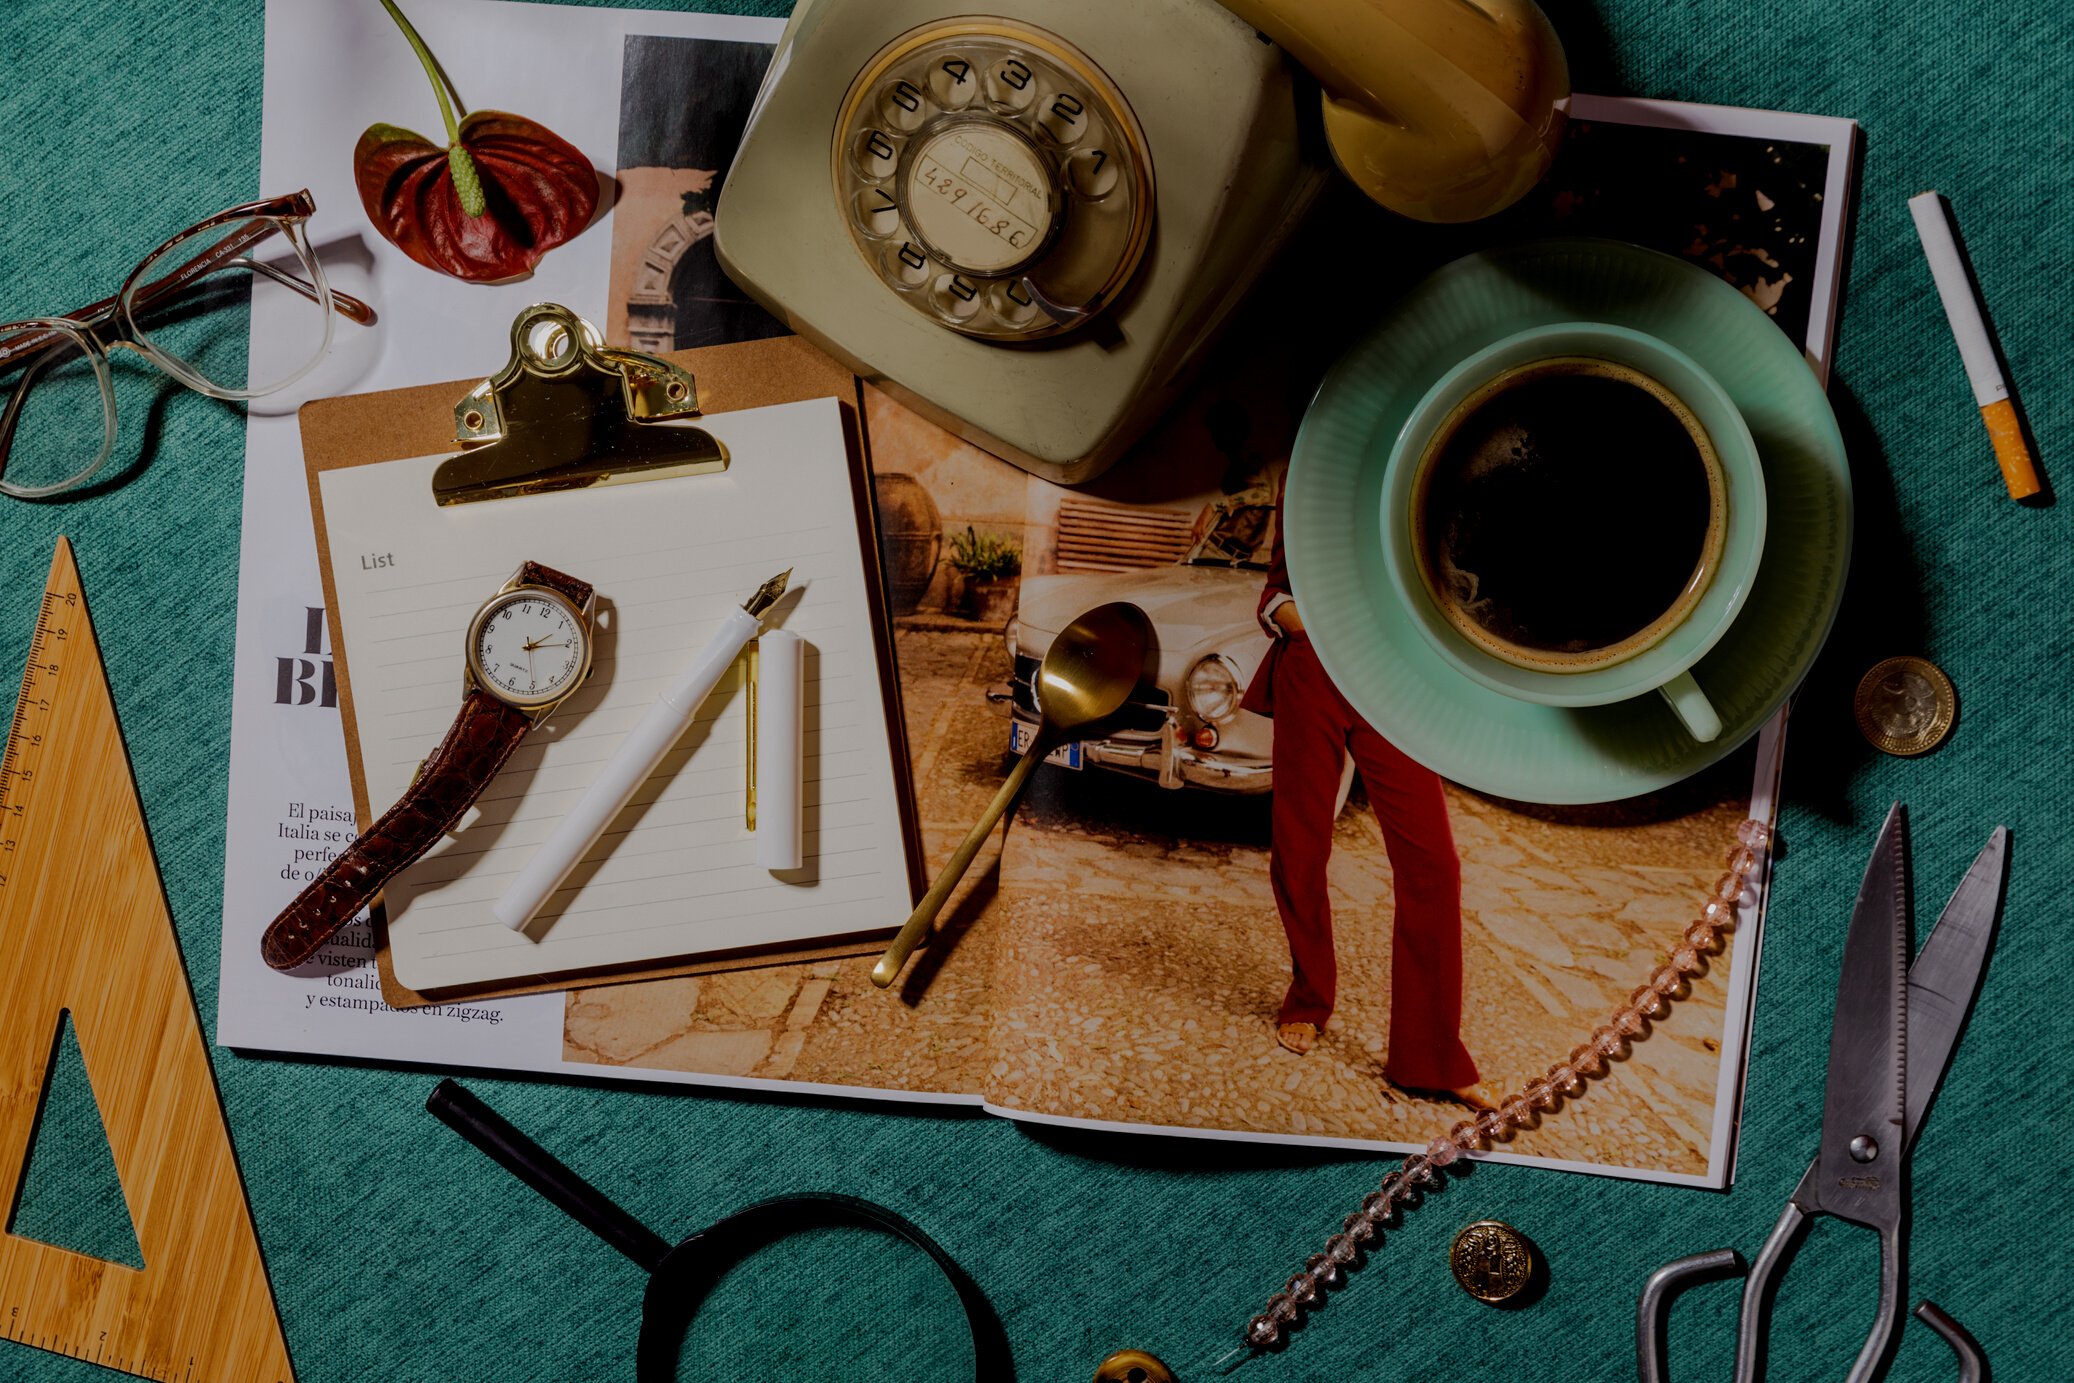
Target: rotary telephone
(1028, 224)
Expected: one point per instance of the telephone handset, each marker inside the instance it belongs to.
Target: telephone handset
(1027, 224)
(1445, 111)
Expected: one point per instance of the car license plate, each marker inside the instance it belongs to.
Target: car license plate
(1021, 733)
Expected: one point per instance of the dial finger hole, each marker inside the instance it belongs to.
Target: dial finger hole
(1065, 118)
(1092, 173)
(1010, 86)
(955, 297)
(1010, 302)
(874, 154)
(904, 265)
(902, 106)
(878, 215)
(953, 81)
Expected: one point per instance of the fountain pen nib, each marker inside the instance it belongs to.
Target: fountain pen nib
(767, 594)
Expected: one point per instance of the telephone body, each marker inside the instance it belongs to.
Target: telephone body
(1027, 224)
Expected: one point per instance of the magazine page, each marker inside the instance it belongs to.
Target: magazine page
(1117, 956)
(1167, 898)
(331, 71)
(1760, 198)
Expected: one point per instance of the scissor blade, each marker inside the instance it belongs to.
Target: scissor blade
(1946, 973)
(1864, 1107)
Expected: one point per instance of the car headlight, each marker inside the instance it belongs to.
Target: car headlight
(1212, 692)
(1014, 628)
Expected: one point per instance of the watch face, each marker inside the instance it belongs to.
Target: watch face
(529, 648)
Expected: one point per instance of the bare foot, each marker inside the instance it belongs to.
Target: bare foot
(1475, 1097)
(1297, 1037)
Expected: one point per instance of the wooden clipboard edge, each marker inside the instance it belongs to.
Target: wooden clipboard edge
(714, 963)
(397, 424)
(863, 478)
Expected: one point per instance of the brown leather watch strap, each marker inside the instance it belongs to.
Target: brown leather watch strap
(533, 574)
(482, 738)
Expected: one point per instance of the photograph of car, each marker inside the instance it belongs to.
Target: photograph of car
(1184, 729)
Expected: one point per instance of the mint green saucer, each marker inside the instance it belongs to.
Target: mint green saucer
(1365, 636)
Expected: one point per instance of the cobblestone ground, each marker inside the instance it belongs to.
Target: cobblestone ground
(1133, 966)
(1142, 978)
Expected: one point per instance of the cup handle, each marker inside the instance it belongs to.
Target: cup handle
(1691, 706)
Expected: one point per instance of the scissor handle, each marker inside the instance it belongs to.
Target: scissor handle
(1653, 1311)
(1893, 1272)
(1758, 1291)
(1752, 1321)
(1973, 1365)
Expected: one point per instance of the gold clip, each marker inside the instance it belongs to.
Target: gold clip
(566, 412)
(749, 665)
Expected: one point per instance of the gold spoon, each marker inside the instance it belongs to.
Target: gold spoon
(1086, 676)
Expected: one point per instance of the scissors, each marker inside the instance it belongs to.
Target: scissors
(1895, 1027)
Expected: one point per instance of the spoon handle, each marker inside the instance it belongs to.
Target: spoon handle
(888, 968)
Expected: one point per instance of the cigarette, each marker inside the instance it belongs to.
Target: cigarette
(1962, 307)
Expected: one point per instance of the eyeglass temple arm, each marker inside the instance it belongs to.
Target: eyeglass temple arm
(223, 252)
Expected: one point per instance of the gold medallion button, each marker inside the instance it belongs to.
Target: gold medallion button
(1492, 1261)
(1905, 706)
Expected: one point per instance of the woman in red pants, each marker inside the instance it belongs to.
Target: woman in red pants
(1314, 728)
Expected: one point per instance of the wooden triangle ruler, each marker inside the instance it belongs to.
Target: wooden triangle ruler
(84, 927)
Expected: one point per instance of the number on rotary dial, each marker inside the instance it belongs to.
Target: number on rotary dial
(530, 649)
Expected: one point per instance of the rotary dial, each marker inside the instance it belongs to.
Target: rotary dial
(993, 177)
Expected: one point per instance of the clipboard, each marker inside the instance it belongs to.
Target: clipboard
(424, 421)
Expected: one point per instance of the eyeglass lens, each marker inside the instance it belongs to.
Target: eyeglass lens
(55, 412)
(184, 302)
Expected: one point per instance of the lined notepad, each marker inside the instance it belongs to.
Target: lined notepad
(676, 874)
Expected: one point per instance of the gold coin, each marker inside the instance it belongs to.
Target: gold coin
(1905, 706)
(1491, 1260)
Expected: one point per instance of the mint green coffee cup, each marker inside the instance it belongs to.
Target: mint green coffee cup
(1659, 655)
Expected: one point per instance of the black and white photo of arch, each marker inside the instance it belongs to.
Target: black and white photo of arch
(683, 103)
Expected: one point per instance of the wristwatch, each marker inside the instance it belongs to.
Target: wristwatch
(528, 650)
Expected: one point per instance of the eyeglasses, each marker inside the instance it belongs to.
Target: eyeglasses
(57, 427)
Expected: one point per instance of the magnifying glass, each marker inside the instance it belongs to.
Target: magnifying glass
(680, 1278)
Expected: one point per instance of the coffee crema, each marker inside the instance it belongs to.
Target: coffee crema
(1568, 514)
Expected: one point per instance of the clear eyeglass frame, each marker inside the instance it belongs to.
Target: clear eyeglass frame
(223, 242)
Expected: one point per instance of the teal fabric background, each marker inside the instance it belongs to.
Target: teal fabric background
(398, 1253)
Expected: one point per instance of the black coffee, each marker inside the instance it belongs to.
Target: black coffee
(1566, 513)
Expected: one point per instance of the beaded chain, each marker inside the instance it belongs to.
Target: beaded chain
(1362, 1231)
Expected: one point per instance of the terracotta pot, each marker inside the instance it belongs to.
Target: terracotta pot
(910, 538)
(991, 602)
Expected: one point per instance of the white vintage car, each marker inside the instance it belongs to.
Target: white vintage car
(1185, 730)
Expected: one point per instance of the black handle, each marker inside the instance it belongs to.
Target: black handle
(519, 1155)
(682, 1283)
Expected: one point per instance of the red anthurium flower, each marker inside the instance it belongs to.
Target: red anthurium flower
(502, 193)
(535, 190)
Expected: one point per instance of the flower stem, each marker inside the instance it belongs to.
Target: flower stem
(467, 182)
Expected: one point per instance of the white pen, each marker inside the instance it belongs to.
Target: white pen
(638, 755)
